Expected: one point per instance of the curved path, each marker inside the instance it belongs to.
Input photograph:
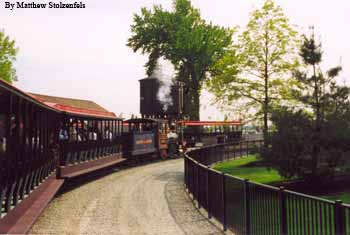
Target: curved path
(147, 199)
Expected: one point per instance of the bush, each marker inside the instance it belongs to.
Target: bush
(298, 150)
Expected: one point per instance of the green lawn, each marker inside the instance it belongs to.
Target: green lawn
(247, 169)
(344, 196)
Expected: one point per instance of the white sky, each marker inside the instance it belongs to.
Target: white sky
(82, 53)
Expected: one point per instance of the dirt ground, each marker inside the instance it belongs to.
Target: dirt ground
(147, 199)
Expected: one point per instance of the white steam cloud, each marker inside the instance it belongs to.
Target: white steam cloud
(165, 73)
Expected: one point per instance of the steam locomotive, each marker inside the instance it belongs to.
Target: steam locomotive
(162, 131)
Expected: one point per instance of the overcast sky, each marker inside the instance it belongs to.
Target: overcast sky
(82, 53)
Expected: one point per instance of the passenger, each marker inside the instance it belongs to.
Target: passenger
(84, 131)
(54, 148)
(2, 145)
(79, 137)
(36, 140)
(108, 134)
(92, 134)
(63, 133)
(73, 134)
(79, 132)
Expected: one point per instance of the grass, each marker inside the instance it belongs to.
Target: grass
(250, 168)
(253, 169)
(344, 196)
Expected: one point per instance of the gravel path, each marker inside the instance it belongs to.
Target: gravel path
(142, 200)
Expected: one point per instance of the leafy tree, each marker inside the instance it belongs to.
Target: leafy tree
(311, 143)
(8, 53)
(185, 39)
(257, 70)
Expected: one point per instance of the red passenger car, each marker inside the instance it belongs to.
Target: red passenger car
(209, 132)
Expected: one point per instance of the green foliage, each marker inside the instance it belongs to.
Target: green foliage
(320, 91)
(256, 73)
(183, 38)
(8, 53)
(343, 196)
(250, 168)
(311, 143)
(290, 145)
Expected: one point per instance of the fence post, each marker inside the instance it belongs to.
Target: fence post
(339, 218)
(210, 155)
(224, 201)
(222, 150)
(208, 192)
(240, 149)
(247, 146)
(218, 154)
(198, 190)
(185, 169)
(234, 150)
(283, 209)
(191, 178)
(228, 152)
(247, 206)
(222, 153)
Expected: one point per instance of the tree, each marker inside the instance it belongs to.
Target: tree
(185, 39)
(258, 69)
(8, 52)
(311, 142)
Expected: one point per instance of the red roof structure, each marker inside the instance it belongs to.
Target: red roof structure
(72, 106)
(75, 106)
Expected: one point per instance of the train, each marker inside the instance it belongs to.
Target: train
(164, 132)
(164, 139)
(44, 138)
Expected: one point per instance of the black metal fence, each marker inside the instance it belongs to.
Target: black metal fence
(246, 207)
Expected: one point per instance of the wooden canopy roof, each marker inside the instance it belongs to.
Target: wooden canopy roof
(76, 106)
(61, 104)
(77, 103)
